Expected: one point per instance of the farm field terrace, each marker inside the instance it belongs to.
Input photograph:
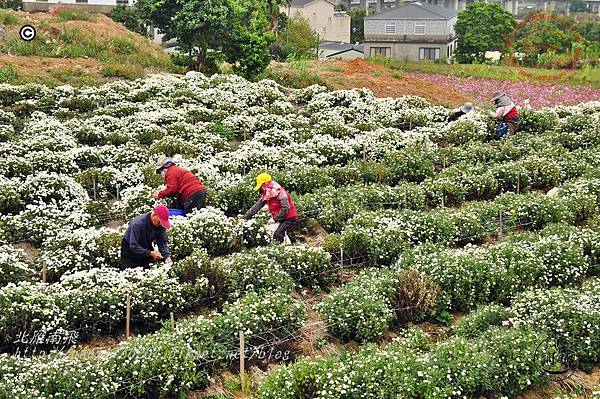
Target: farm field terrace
(437, 265)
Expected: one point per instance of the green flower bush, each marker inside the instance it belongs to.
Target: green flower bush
(362, 309)
(499, 363)
(14, 266)
(207, 228)
(571, 316)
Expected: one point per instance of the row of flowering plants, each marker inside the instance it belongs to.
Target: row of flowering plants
(93, 301)
(559, 256)
(384, 234)
(165, 364)
(479, 358)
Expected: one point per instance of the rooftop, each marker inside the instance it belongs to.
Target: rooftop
(416, 11)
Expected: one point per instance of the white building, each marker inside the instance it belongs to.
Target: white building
(329, 24)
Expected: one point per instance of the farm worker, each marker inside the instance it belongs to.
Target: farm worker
(465, 109)
(280, 203)
(181, 183)
(143, 231)
(509, 113)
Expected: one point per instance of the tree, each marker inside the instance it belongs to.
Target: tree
(273, 11)
(130, 17)
(590, 29)
(247, 48)
(578, 6)
(482, 27)
(12, 4)
(297, 40)
(357, 24)
(210, 30)
(300, 37)
(546, 33)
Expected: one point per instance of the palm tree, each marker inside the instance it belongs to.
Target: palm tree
(272, 9)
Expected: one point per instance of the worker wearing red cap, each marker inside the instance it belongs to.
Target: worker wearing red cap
(137, 246)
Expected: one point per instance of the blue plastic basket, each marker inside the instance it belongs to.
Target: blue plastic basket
(176, 212)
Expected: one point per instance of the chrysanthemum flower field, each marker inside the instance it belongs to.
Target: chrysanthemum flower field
(411, 223)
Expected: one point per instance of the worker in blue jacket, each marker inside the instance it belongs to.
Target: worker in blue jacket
(137, 246)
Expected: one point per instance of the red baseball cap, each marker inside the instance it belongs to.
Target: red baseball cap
(163, 215)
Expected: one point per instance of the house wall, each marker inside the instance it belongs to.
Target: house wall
(410, 51)
(320, 15)
(435, 29)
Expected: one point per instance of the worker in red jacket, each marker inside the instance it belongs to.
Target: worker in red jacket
(507, 110)
(181, 183)
(281, 206)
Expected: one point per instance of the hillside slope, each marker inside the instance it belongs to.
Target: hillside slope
(74, 47)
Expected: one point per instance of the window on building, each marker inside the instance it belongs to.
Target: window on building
(419, 28)
(426, 53)
(81, 1)
(355, 2)
(381, 51)
(390, 28)
(122, 2)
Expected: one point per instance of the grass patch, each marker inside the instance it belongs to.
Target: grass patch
(396, 74)
(335, 69)
(8, 17)
(122, 45)
(116, 70)
(295, 74)
(125, 55)
(72, 14)
(8, 74)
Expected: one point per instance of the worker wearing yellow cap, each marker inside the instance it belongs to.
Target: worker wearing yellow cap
(280, 203)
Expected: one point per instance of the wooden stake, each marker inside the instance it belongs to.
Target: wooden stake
(242, 358)
(500, 233)
(342, 263)
(365, 151)
(44, 271)
(172, 319)
(128, 317)
(518, 184)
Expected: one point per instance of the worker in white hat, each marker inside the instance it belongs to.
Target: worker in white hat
(465, 109)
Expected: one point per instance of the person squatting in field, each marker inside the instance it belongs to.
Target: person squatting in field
(507, 110)
(280, 204)
(183, 184)
(137, 245)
